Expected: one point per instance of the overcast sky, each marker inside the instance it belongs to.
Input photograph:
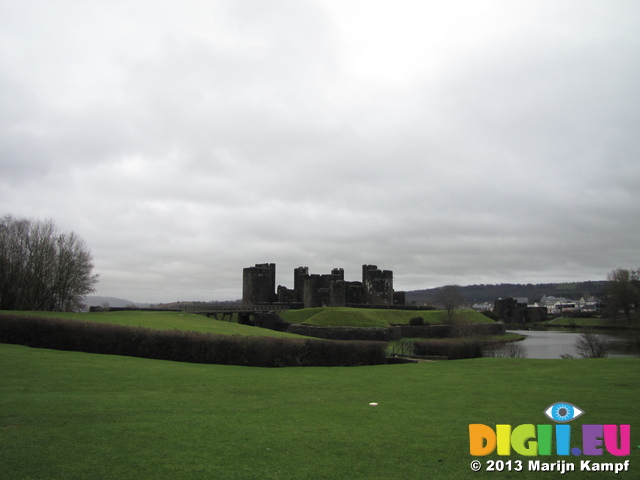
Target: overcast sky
(451, 142)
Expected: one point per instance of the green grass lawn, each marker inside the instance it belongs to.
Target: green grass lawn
(591, 322)
(368, 317)
(163, 321)
(68, 415)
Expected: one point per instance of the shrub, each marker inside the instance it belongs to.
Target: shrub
(416, 322)
(457, 348)
(507, 349)
(184, 346)
(590, 345)
(463, 328)
(490, 314)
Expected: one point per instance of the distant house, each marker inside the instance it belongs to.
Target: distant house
(558, 305)
(482, 307)
(590, 304)
(553, 304)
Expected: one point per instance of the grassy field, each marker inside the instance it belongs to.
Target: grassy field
(67, 415)
(367, 317)
(164, 321)
(591, 322)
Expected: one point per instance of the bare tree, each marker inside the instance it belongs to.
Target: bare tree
(590, 345)
(515, 350)
(623, 291)
(508, 349)
(450, 299)
(42, 269)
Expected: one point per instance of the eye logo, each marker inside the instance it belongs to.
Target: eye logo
(562, 412)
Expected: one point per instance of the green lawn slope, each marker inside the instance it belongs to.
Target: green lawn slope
(591, 322)
(163, 321)
(72, 416)
(368, 317)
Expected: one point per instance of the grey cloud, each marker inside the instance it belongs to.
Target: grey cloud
(185, 143)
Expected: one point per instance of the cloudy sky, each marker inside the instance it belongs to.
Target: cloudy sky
(451, 142)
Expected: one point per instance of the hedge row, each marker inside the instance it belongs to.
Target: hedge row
(453, 349)
(185, 346)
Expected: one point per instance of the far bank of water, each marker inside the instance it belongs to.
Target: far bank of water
(549, 344)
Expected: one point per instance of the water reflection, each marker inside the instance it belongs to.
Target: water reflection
(553, 344)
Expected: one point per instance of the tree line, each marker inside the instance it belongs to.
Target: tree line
(42, 268)
(623, 292)
(489, 293)
(621, 295)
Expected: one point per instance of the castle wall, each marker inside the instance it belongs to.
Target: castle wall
(337, 293)
(399, 298)
(286, 295)
(354, 293)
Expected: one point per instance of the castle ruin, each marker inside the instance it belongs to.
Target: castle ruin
(316, 290)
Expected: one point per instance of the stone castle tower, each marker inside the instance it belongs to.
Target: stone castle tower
(377, 285)
(259, 284)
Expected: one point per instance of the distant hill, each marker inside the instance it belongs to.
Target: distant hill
(98, 301)
(177, 305)
(115, 302)
(489, 293)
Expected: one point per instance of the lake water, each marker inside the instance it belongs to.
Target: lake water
(553, 343)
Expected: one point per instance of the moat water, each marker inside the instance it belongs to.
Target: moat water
(549, 344)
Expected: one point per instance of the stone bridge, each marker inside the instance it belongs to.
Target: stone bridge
(227, 311)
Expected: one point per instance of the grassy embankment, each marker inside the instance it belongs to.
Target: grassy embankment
(69, 415)
(363, 317)
(367, 317)
(351, 317)
(328, 317)
(164, 321)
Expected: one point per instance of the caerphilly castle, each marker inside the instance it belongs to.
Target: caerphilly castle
(318, 290)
